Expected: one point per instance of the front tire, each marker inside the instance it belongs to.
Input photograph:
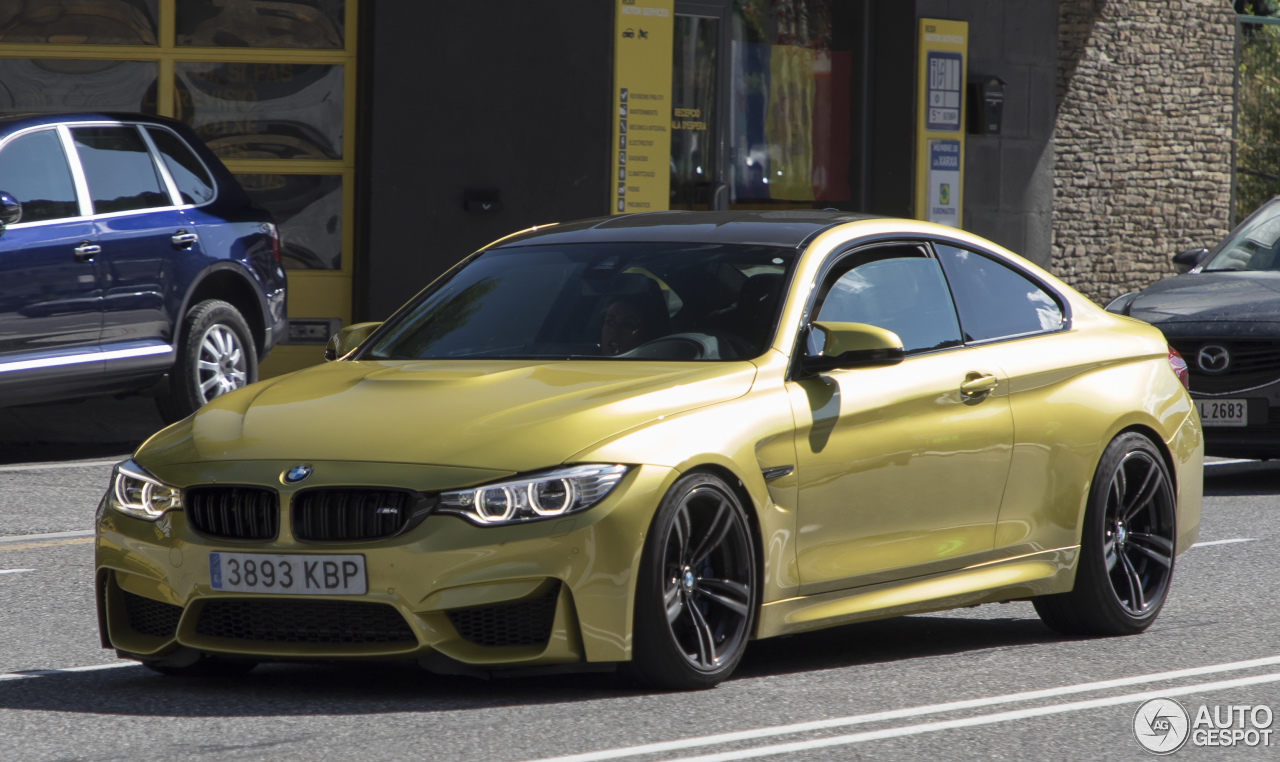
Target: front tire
(216, 355)
(1126, 546)
(696, 593)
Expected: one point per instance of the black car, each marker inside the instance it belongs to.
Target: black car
(130, 260)
(1223, 316)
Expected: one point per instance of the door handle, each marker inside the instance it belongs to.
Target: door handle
(182, 239)
(978, 385)
(86, 251)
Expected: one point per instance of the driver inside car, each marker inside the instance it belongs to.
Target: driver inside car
(634, 319)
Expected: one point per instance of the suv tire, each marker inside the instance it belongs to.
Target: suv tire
(216, 355)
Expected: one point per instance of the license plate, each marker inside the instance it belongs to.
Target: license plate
(287, 574)
(1223, 412)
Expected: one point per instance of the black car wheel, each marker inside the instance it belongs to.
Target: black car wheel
(216, 355)
(1126, 546)
(697, 594)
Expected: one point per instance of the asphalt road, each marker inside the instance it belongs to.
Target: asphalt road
(983, 683)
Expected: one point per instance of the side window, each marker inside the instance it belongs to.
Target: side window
(118, 167)
(34, 170)
(994, 300)
(899, 288)
(193, 181)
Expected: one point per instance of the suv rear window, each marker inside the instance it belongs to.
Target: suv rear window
(118, 167)
(194, 184)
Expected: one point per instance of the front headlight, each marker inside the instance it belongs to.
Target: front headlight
(136, 493)
(540, 496)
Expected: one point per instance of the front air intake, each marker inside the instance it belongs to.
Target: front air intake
(151, 617)
(523, 623)
(296, 621)
(233, 513)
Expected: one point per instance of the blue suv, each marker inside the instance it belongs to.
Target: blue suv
(130, 261)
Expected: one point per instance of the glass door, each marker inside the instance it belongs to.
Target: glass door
(697, 181)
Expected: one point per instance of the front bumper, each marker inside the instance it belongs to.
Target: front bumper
(469, 594)
(1259, 438)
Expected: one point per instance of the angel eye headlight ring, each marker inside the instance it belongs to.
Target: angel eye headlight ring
(544, 495)
(139, 495)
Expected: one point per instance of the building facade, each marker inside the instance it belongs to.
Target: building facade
(392, 138)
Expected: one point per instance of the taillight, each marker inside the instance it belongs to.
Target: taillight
(1179, 366)
(274, 232)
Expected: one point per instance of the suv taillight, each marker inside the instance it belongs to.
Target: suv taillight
(274, 232)
(1179, 366)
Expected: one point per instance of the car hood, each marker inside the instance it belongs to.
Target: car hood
(504, 415)
(1204, 297)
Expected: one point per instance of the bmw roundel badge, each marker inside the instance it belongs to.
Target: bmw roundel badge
(296, 474)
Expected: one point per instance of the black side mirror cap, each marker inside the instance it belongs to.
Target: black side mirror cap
(10, 209)
(1191, 257)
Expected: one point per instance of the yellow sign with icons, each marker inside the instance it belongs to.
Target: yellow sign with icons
(644, 34)
(940, 120)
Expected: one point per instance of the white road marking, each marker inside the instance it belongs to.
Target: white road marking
(1222, 542)
(985, 719)
(897, 714)
(14, 571)
(48, 672)
(57, 466)
(46, 536)
(1230, 462)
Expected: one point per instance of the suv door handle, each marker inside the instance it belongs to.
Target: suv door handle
(977, 385)
(86, 251)
(182, 239)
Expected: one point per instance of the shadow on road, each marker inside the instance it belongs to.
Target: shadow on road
(381, 688)
(97, 428)
(1237, 479)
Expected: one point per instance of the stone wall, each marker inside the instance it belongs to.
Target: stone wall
(1142, 156)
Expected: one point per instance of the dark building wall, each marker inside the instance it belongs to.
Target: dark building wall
(469, 96)
(1008, 181)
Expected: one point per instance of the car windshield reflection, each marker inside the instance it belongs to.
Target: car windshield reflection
(631, 301)
(1255, 246)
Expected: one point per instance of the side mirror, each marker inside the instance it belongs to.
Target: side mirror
(10, 209)
(1190, 258)
(853, 345)
(347, 339)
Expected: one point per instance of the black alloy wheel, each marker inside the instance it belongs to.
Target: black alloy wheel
(697, 594)
(1127, 546)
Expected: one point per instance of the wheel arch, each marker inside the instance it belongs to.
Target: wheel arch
(228, 283)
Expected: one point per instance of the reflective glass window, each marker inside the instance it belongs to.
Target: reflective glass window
(47, 85)
(309, 24)
(693, 103)
(263, 111)
(33, 168)
(996, 301)
(75, 22)
(118, 167)
(193, 181)
(308, 211)
(792, 73)
(900, 289)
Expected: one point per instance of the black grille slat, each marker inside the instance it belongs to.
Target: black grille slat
(150, 617)
(1253, 363)
(294, 621)
(234, 513)
(353, 514)
(523, 623)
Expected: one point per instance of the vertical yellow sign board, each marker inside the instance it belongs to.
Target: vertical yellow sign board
(943, 69)
(642, 53)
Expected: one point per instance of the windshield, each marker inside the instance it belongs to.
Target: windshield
(625, 301)
(1253, 246)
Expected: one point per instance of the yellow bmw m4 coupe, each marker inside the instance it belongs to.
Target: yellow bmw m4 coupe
(641, 442)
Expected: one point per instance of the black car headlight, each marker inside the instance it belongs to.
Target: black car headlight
(545, 495)
(138, 494)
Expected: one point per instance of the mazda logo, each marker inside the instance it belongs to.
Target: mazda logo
(1213, 358)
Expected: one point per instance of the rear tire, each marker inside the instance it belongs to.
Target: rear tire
(1126, 546)
(216, 355)
(696, 592)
